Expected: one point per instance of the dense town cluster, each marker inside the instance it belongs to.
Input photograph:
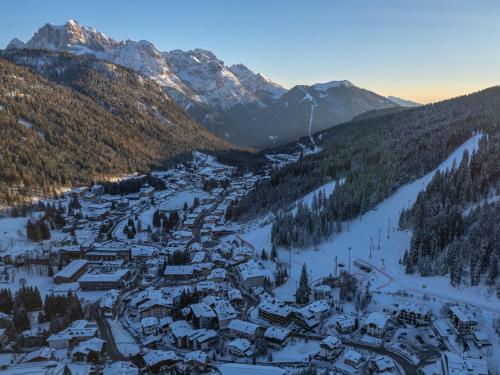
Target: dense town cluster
(148, 275)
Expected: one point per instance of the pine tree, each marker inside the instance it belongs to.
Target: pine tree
(303, 290)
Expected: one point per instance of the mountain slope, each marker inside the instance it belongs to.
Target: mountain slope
(403, 102)
(87, 118)
(305, 110)
(232, 102)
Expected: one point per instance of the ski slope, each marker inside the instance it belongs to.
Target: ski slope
(388, 275)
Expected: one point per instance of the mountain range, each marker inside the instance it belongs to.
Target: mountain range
(233, 102)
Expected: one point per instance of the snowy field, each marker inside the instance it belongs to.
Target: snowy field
(389, 275)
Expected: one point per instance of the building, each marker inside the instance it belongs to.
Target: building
(322, 292)
(202, 339)
(353, 358)
(98, 254)
(121, 368)
(179, 331)
(149, 326)
(330, 348)
(345, 324)
(275, 311)
(462, 319)
(454, 364)
(414, 314)
(382, 364)
(159, 361)
(71, 272)
(196, 362)
(104, 281)
(240, 347)
(80, 330)
(203, 315)
(242, 329)
(158, 308)
(376, 324)
(277, 337)
(89, 351)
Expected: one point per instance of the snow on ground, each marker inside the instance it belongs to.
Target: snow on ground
(123, 340)
(177, 200)
(389, 276)
(296, 351)
(13, 235)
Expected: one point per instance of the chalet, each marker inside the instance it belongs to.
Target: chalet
(179, 331)
(330, 348)
(89, 351)
(184, 272)
(202, 339)
(462, 319)
(203, 315)
(225, 312)
(196, 362)
(235, 297)
(345, 324)
(159, 361)
(381, 364)
(277, 337)
(218, 275)
(158, 308)
(243, 329)
(376, 324)
(71, 272)
(80, 330)
(322, 292)
(121, 368)
(454, 364)
(149, 325)
(108, 302)
(39, 355)
(414, 314)
(275, 311)
(240, 347)
(353, 358)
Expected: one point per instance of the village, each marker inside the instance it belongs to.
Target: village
(164, 284)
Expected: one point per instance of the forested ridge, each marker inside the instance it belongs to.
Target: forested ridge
(70, 120)
(455, 221)
(375, 155)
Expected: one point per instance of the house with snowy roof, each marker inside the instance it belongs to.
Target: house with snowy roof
(203, 316)
(196, 361)
(376, 324)
(121, 368)
(462, 319)
(330, 348)
(179, 331)
(412, 313)
(159, 361)
(240, 347)
(202, 338)
(277, 337)
(244, 329)
(78, 331)
(149, 325)
(89, 350)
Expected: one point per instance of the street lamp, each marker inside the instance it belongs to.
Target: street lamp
(378, 238)
(371, 238)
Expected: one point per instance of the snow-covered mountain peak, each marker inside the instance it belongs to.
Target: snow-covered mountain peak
(15, 44)
(68, 36)
(257, 83)
(332, 84)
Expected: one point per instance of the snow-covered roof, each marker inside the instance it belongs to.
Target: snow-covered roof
(240, 369)
(180, 328)
(330, 342)
(413, 307)
(104, 277)
(241, 344)
(154, 357)
(202, 310)
(197, 356)
(150, 321)
(352, 355)
(464, 315)
(277, 333)
(383, 363)
(72, 268)
(44, 352)
(121, 368)
(377, 318)
(243, 326)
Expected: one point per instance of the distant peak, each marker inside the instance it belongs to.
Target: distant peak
(328, 85)
(15, 44)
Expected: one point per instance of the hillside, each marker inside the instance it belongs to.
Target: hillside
(377, 154)
(82, 119)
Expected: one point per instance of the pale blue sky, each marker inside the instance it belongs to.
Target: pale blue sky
(422, 50)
